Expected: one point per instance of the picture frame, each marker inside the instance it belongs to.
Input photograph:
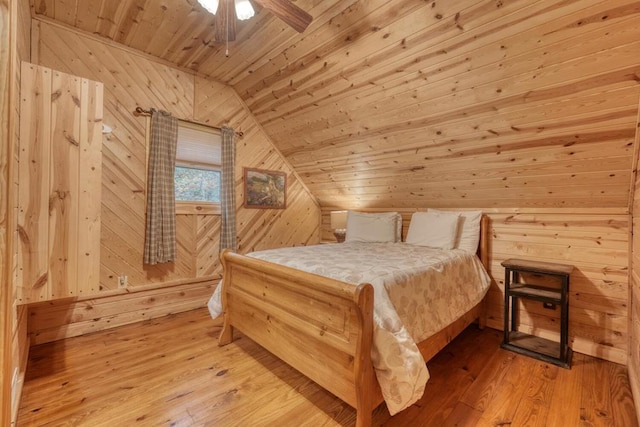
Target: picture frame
(265, 189)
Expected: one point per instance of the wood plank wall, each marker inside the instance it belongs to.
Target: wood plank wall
(464, 103)
(596, 243)
(634, 292)
(21, 340)
(6, 302)
(15, 22)
(55, 320)
(437, 103)
(132, 79)
(60, 182)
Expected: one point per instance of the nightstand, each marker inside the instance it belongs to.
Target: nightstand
(547, 283)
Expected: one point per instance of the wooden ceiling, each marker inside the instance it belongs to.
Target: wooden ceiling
(457, 103)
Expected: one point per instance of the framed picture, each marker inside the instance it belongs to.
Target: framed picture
(265, 189)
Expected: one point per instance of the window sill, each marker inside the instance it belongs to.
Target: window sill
(197, 208)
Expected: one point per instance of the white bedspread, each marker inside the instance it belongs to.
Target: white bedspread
(417, 292)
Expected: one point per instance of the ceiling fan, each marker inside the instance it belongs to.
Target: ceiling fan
(225, 14)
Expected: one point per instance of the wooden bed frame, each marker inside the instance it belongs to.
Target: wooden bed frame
(322, 327)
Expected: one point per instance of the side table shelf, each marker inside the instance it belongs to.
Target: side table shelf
(532, 280)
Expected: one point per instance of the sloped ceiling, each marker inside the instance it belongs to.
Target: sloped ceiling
(408, 103)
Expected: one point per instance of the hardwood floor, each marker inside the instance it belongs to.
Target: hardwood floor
(169, 371)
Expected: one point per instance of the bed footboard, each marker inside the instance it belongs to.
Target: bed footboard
(319, 326)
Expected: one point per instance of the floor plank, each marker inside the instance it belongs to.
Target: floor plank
(171, 372)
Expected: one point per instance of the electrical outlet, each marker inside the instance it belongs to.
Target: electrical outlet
(122, 281)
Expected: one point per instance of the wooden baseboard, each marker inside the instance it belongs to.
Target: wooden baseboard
(62, 319)
(20, 357)
(17, 394)
(634, 380)
(604, 352)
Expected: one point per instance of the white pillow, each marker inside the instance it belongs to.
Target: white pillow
(468, 237)
(433, 229)
(373, 227)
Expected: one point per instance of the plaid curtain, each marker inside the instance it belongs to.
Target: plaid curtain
(160, 238)
(228, 191)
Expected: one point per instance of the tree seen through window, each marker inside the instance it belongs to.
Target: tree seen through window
(197, 185)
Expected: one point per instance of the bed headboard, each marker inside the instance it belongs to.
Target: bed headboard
(483, 247)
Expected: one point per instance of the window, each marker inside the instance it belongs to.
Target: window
(197, 184)
(198, 172)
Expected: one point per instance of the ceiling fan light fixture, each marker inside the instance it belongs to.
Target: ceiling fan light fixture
(210, 5)
(244, 10)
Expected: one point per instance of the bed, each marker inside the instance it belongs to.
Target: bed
(325, 327)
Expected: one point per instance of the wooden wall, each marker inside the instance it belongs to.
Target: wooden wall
(52, 321)
(597, 245)
(461, 103)
(634, 291)
(14, 48)
(595, 242)
(132, 79)
(60, 182)
(6, 302)
(464, 103)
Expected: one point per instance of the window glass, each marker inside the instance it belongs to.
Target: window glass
(197, 185)
(198, 171)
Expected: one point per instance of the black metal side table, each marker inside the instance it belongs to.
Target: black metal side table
(539, 281)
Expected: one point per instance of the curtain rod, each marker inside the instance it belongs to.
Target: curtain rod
(139, 111)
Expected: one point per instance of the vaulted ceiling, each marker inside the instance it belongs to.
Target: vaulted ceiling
(409, 103)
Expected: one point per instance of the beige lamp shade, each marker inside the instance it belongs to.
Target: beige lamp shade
(339, 224)
(338, 220)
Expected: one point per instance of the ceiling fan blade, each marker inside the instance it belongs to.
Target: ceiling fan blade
(226, 12)
(291, 14)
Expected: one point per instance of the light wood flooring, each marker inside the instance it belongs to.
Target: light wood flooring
(170, 372)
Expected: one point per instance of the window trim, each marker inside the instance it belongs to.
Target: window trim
(196, 165)
(198, 207)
